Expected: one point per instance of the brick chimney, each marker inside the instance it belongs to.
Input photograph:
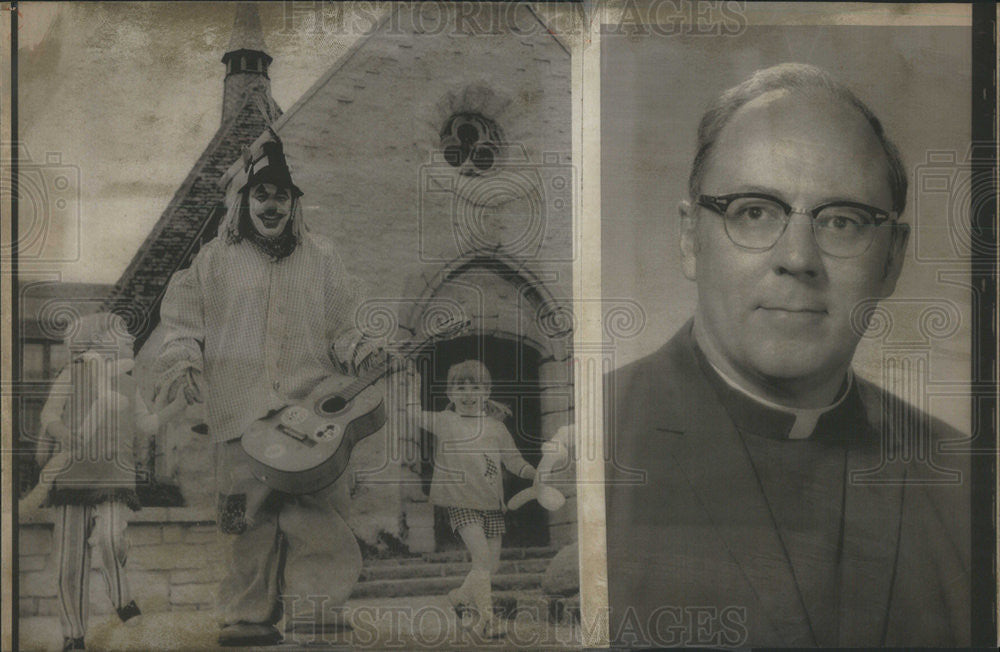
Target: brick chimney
(246, 61)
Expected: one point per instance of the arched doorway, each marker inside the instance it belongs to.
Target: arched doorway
(524, 336)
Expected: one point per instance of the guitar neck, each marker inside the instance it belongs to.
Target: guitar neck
(389, 363)
(366, 379)
(390, 360)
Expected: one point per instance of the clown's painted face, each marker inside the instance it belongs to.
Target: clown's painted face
(270, 209)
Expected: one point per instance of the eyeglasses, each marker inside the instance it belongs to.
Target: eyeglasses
(757, 221)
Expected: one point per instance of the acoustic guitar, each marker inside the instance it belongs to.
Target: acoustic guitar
(303, 448)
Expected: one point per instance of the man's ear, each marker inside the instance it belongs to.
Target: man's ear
(895, 257)
(689, 239)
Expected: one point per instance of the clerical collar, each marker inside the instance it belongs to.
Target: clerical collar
(841, 419)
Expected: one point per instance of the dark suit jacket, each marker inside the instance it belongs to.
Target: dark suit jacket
(694, 556)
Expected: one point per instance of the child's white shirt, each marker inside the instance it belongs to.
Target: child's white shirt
(467, 460)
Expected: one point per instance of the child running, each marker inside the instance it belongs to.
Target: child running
(471, 444)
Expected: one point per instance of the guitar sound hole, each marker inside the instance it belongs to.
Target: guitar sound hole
(333, 404)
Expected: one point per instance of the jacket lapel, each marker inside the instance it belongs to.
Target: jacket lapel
(721, 475)
(872, 512)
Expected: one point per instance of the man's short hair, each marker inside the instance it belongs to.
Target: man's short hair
(795, 78)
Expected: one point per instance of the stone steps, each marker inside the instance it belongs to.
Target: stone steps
(434, 574)
(418, 586)
(528, 552)
(447, 569)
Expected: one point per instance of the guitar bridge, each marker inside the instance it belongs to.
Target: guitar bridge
(296, 434)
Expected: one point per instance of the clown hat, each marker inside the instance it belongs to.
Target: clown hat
(268, 165)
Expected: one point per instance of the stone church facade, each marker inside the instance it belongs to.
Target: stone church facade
(486, 239)
(439, 164)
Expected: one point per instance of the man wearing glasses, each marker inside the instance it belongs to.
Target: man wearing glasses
(746, 527)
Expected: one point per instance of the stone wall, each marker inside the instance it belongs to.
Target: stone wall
(175, 561)
(364, 145)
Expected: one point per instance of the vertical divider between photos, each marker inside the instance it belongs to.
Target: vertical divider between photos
(587, 359)
(985, 488)
(8, 329)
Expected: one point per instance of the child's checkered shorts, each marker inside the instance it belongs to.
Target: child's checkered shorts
(491, 520)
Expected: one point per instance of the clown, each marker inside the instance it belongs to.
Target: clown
(264, 313)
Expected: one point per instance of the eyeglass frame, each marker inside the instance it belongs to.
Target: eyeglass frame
(720, 204)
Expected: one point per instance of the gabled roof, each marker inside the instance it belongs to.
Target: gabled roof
(188, 221)
(387, 22)
(192, 216)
